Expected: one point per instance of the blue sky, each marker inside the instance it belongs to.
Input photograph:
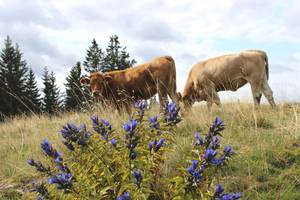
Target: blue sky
(57, 33)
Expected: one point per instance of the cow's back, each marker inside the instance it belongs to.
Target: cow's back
(228, 71)
(141, 81)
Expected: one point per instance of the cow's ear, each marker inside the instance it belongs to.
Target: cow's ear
(107, 78)
(85, 81)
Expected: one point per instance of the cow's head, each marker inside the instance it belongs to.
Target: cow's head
(188, 99)
(97, 82)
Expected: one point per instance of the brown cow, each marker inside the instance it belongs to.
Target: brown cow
(228, 72)
(121, 88)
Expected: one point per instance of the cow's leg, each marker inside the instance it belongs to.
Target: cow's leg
(213, 97)
(174, 96)
(216, 98)
(256, 92)
(268, 93)
(162, 96)
(209, 104)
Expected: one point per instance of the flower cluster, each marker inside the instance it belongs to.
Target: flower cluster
(195, 172)
(156, 145)
(72, 134)
(198, 140)
(38, 165)
(140, 107)
(154, 123)
(101, 126)
(172, 114)
(50, 151)
(105, 167)
(209, 145)
(211, 142)
(220, 195)
(41, 190)
(131, 138)
(217, 126)
(63, 180)
(137, 174)
(124, 196)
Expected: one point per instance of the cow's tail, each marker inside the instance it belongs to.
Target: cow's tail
(266, 61)
(173, 89)
(267, 66)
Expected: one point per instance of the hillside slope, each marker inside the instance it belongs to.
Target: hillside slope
(267, 165)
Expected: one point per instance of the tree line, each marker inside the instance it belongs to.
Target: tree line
(19, 92)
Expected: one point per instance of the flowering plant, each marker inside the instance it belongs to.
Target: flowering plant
(109, 164)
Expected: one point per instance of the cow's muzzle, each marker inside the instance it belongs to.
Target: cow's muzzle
(96, 94)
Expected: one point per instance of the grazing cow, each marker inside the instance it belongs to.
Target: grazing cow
(228, 72)
(121, 88)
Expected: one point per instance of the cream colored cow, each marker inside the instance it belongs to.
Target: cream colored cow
(228, 72)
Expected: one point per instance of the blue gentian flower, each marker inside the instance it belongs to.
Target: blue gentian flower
(63, 180)
(124, 196)
(138, 176)
(215, 144)
(237, 195)
(209, 156)
(159, 144)
(106, 124)
(50, 151)
(130, 126)
(38, 165)
(73, 134)
(31, 162)
(219, 195)
(171, 114)
(219, 190)
(150, 145)
(63, 168)
(113, 142)
(133, 155)
(198, 140)
(231, 196)
(101, 126)
(153, 122)
(194, 164)
(141, 105)
(217, 126)
(196, 174)
(228, 151)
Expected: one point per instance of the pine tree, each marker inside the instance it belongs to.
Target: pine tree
(33, 100)
(116, 57)
(51, 102)
(125, 61)
(94, 58)
(74, 93)
(13, 72)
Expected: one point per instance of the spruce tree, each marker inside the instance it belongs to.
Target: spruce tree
(74, 93)
(13, 74)
(51, 101)
(33, 100)
(94, 58)
(116, 57)
(125, 61)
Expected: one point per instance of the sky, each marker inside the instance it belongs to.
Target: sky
(57, 33)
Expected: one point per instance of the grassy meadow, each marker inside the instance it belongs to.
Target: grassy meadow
(267, 141)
